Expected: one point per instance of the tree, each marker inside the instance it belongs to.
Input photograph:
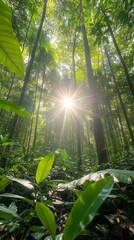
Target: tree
(98, 130)
(29, 67)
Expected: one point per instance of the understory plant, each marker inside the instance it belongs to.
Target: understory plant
(90, 192)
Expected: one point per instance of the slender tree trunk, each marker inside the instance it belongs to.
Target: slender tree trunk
(106, 86)
(47, 138)
(11, 86)
(33, 112)
(98, 130)
(78, 124)
(38, 108)
(120, 98)
(107, 117)
(27, 30)
(122, 129)
(119, 53)
(29, 67)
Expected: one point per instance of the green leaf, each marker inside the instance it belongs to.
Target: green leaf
(23, 182)
(44, 167)
(46, 217)
(10, 195)
(124, 176)
(6, 212)
(4, 182)
(11, 107)
(35, 228)
(86, 206)
(10, 54)
(64, 155)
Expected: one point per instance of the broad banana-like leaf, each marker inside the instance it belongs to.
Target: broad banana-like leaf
(10, 54)
(86, 206)
(124, 176)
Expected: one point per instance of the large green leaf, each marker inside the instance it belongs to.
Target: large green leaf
(24, 182)
(10, 54)
(124, 176)
(86, 206)
(11, 107)
(47, 218)
(44, 167)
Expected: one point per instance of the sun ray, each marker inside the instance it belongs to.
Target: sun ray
(70, 103)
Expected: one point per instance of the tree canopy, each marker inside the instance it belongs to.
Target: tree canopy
(67, 88)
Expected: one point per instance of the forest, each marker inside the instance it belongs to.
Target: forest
(66, 119)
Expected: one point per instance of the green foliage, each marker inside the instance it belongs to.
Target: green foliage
(123, 176)
(95, 188)
(10, 54)
(44, 167)
(10, 195)
(4, 181)
(35, 196)
(11, 107)
(47, 218)
(24, 182)
(64, 155)
(86, 206)
(7, 212)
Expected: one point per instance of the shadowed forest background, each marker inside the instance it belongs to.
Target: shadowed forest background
(66, 113)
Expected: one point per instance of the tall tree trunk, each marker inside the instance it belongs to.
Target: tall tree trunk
(33, 112)
(119, 53)
(120, 98)
(122, 129)
(78, 124)
(29, 67)
(98, 130)
(106, 86)
(38, 108)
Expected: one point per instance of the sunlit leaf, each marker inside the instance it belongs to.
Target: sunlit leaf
(124, 176)
(4, 181)
(23, 182)
(44, 167)
(86, 206)
(47, 218)
(10, 54)
(11, 107)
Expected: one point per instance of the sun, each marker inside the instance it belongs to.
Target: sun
(67, 103)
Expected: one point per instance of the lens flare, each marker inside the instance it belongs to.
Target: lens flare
(67, 103)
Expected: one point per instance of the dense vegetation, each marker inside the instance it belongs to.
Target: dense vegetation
(66, 113)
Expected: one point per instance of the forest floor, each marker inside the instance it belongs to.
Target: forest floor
(113, 221)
